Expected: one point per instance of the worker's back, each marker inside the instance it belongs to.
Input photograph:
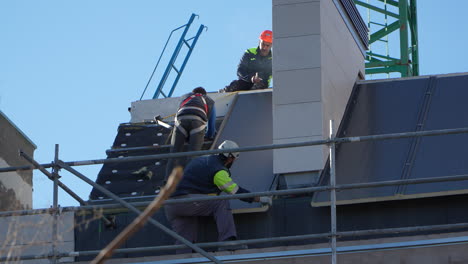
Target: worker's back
(198, 176)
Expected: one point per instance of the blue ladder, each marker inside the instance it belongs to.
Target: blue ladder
(170, 66)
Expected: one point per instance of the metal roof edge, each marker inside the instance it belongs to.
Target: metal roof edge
(391, 198)
(442, 75)
(322, 251)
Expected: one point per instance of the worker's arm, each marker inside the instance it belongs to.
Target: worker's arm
(223, 180)
(243, 70)
(211, 131)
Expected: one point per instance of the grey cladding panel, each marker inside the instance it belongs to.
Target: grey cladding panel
(250, 124)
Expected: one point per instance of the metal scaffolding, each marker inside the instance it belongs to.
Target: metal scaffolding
(57, 164)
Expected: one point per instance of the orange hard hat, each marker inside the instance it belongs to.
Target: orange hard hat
(267, 35)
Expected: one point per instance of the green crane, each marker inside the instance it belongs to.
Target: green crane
(385, 19)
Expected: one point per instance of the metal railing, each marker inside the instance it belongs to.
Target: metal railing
(333, 187)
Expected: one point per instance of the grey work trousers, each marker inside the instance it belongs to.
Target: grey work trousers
(187, 130)
(184, 220)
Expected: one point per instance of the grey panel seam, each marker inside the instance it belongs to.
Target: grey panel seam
(298, 69)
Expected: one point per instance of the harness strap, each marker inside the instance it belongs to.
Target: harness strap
(193, 130)
(188, 99)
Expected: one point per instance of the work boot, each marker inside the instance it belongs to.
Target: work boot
(232, 247)
(232, 87)
(226, 89)
(259, 86)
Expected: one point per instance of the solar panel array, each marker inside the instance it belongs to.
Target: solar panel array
(403, 105)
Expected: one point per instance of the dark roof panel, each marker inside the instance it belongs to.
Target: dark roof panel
(249, 123)
(404, 105)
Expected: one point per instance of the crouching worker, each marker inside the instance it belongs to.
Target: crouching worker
(203, 176)
(254, 70)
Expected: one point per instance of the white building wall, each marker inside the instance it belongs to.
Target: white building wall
(316, 62)
(16, 186)
(15, 183)
(145, 110)
(31, 235)
(342, 63)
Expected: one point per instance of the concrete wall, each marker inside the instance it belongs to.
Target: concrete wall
(15, 187)
(316, 62)
(31, 235)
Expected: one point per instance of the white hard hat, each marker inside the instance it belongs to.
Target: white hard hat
(229, 144)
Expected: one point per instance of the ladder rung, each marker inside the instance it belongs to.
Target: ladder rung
(175, 69)
(187, 44)
(379, 24)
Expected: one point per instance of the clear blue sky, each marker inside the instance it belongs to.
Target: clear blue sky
(70, 69)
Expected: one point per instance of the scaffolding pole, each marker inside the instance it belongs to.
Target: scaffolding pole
(60, 184)
(453, 131)
(57, 164)
(332, 195)
(138, 212)
(260, 240)
(245, 195)
(55, 175)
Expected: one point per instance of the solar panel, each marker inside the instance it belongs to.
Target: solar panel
(403, 105)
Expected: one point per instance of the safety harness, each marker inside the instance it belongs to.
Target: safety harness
(188, 99)
(184, 107)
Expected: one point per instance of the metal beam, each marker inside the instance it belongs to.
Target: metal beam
(390, 2)
(375, 64)
(372, 55)
(388, 69)
(384, 31)
(413, 24)
(380, 10)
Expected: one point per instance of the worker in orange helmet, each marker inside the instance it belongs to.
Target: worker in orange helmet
(254, 69)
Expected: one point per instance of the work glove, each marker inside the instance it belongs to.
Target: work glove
(258, 86)
(266, 200)
(208, 138)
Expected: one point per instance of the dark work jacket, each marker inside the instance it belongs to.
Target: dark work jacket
(199, 177)
(197, 102)
(251, 63)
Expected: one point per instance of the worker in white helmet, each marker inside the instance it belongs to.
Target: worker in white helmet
(203, 176)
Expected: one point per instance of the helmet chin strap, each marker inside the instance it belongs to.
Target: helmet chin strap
(229, 161)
